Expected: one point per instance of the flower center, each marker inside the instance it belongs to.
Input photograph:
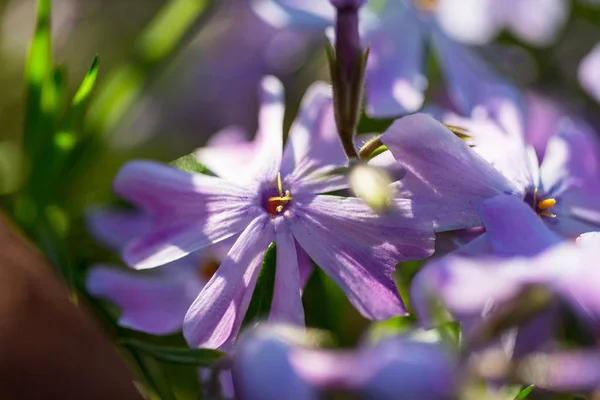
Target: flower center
(207, 269)
(427, 5)
(542, 206)
(276, 201)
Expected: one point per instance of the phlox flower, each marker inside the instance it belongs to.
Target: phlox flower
(278, 197)
(398, 36)
(271, 362)
(522, 253)
(588, 73)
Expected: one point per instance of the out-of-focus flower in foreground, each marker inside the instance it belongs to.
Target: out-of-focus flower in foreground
(276, 199)
(271, 363)
(397, 35)
(589, 79)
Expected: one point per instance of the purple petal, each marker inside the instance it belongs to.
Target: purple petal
(192, 211)
(227, 154)
(314, 15)
(514, 229)
(217, 313)
(154, 304)
(470, 81)
(114, 228)
(262, 369)
(446, 179)
(305, 266)
(588, 73)
(471, 21)
(359, 250)
(287, 303)
(543, 118)
(313, 141)
(537, 21)
(394, 75)
(570, 174)
(563, 371)
(269, 139)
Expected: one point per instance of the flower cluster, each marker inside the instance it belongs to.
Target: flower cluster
(501, 187)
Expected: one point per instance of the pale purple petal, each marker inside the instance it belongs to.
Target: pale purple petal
(537, 21)
(514, 229)
(471, 83)
(269, 140)
(471, 21)
(543, 116)
(217, 313)
(262, 368)
(305, 265)
(313, 141)
(191, 211)
(359, 249)
(287, 303)
(446, 179)
(570, 174)
(307, 14)
(114, 227)
(154, 304)
(588, 73)
(227, 154)
(394, 77)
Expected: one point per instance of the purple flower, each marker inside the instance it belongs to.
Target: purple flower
(157, 302)
(555, 169)
(588, 73)
(479, 21)
(522, 252)
(276, 199)
(271, 362)
(398, 36)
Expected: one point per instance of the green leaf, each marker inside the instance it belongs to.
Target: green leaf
(85, 89)
(260, 305)
(176, 355)
(38, 71)
(524, 393)
(191, 164)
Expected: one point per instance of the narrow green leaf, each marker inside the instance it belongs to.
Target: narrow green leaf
(37, 71)
(524, 393)
(176, 355)
(191, 164)
(260, 305)
(85, 89)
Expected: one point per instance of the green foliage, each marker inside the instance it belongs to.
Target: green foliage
(191, 164)
(523, 394)
(262, 298)
(198, 357)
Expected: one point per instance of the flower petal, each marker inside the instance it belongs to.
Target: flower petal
(305, 266)
(446, 179)
(470, 81)
(588, 73)
(153, 304)
(470, 21)
(295, 13)
(570, 174)
(543, 116)
(313, 141)
(359, 249)
(269, 139)
(287, 303)
(394, 75)
(217, 313)
(114, 228)
(514, 229)
(227, 154)
(191, 211)
(537, 21)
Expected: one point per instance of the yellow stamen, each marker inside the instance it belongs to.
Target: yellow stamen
(534, 197)
(546, 204)
(547, 214)
(283, 199)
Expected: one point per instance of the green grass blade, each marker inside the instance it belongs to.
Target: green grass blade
(176, 355)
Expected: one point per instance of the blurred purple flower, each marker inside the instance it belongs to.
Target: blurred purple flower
(524, 252)
(271, 362)
(276, 199)
(479, 21)
(398, 35)
(589, 79)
